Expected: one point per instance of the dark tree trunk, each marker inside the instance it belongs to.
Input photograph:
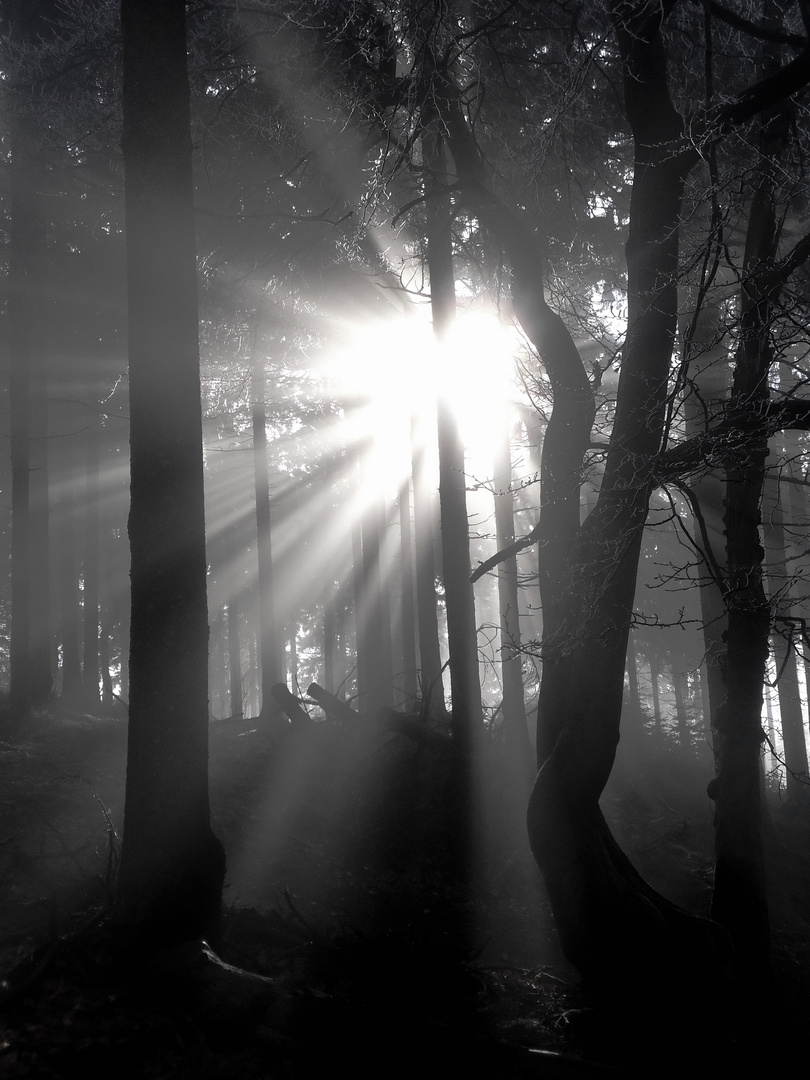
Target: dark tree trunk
(106, 617)
(269, 650)
(609, 918)
(42, 628)
(234, 658)
(709, 385)
(427, 618)
(514, 707)
(26, 242)
(786, 645)
(739, 900)
(90, 564)
(655, 674)
(68, 582)
(172, 866)
(462, 638)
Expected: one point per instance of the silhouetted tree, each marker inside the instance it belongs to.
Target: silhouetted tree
(172, 866)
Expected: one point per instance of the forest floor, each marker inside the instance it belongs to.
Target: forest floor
(338, 894)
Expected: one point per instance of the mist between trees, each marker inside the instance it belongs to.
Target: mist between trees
(498, 318)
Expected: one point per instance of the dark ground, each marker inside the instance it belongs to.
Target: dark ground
(338, 893)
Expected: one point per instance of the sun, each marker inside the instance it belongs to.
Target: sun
(392, 372)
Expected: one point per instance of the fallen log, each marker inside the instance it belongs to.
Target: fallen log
(332, 705)
(288, 703)
(385, 717)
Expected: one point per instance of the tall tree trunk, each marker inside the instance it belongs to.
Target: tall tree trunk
(407, 616)
(376, 622)
(631, 668)
(90, 563)
(465, 687)
(42, 629)
(681, 717)
(234, 657)
(359, 604)
(216, 666)
(655, 675)
(705, 351)
(739, 900)
(68, 581)
(330, 633)
(25, 248)
(514, 707)
(292, 652)
(269, 650)
(427, 618)
(172, 866)
(106, 616)
(786, 644)
(608, 917)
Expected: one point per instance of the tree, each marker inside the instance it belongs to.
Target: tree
(609, 919)
(172, 866)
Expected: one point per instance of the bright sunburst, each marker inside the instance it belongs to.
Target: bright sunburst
(394, 371)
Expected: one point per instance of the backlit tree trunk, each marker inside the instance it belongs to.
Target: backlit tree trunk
(427, 618)
(172, 866)
(375, 639)
(407, 617)
(465, 688)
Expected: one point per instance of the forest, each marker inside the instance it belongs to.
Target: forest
(403, 654)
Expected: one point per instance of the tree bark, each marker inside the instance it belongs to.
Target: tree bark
(172, 866)
(514, 707)
(375, 621)
(786, 644)
(26, 239)
(427, 618)
(679, 686)
(465, 687)
(407, 618)
(68, 581)
(269, 651)
(42, 625)
(90, 566)
(608, 917)
(739, 901)
(234, 658)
